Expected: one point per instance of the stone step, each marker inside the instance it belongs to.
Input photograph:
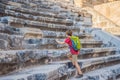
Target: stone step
(107, 73)
(4, 44)
(30, 33)
(59, 34)
(26, 32)
(42, 6)
(52, 42)
(89, 53)
(47, 5)
(33, 12)
(67, 5)
(84, 35)
(91, 50)
(29, 72)
(72, 7)
(29, 42)
(118, 77)
(53, 34)
(96, 52)
(91, 43)
(94, 63)
(87, 21)
(61, 12)
(86, 53)
(13, 54)
(31, 5)
(83, 51)
(22, 31)
(52, 52)
(53, 2)
(38, 18)
(14, 59)
(10, 8)
(13, 41)
(45, 72)
(18, 23)
(88, 60)
(9, 29)
(32, 38)
(42, 3)
(46, 33)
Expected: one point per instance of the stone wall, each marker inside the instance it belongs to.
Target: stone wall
(105, 14)
(112, 12)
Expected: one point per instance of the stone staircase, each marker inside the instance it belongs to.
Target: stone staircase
(28, 29)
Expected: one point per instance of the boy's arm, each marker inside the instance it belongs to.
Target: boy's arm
(59, 42)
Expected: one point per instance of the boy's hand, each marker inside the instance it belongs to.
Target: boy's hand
(59, 42)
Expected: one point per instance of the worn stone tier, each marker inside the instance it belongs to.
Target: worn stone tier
(107, 73)
(51, 8)
(33, 12)
(51, 43)
(86, 64)
(38, 18)
(32, 5)
(59, 10)
(24, 42)
(67, 5)
(46, 4)
(17, 22)
(94, 64)
(41, 33)
(57, 52)
(10, 41)
(86, 18)
(21, 58)
(41, 73)
(59, 34)
(33, 37)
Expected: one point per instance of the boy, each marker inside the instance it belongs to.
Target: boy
(74, 53)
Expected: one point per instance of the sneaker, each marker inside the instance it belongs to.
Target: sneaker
(79, 76)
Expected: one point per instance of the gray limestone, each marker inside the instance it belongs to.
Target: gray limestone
(28, 50)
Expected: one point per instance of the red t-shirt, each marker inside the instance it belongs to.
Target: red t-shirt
(69, 42)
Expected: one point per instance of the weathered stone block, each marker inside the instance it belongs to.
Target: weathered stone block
(12, 30)
(3, 44)
(48, 72)
(4, 20)
(31, 33)
(15, 41)
(7, 57)
(4, 36)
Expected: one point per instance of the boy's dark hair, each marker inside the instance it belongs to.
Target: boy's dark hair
(69, 32)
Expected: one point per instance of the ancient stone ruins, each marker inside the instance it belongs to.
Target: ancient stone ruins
(28, 50)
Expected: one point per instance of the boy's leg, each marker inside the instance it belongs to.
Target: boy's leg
(74, 60)
(78, 68)
(69, 55)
